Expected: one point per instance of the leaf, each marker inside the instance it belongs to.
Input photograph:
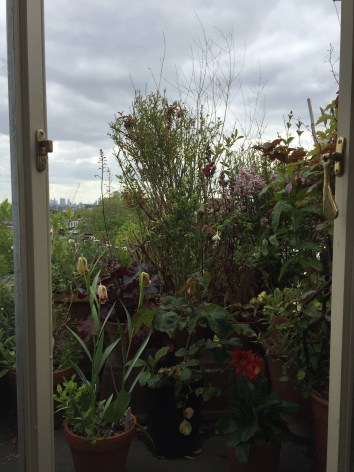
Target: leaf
(143, 317)
(166, 322)
(227, 424)
(186, 374)
(301, 375)
(144, 377)
(181, 352)
(242, 452)
(279, 208)
(210, 392)
(217, 318)
(118, 407)
(161, 353)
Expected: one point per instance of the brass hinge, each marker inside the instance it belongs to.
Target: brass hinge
(332, 161)
(43, 146)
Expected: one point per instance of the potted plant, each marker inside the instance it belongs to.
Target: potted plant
(99, 431)
(65, 348)
(252, 423)
(300, 342)
(179, 375)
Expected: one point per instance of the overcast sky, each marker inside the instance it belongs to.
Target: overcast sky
(99, 51)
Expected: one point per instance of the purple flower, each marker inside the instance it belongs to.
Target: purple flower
(209, 169)
(247, 183)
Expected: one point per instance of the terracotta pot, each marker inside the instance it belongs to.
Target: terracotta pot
(107, 455)
(287, 390)
(79, 307)
(319, 407)
(58, 377)
(262, 457)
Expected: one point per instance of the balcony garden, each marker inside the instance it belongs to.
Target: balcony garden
(199, 294)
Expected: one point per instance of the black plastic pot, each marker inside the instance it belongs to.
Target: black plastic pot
(163, 421)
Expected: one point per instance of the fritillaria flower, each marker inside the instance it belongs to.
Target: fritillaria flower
(145, 279)
(82, 266)
(102, 294)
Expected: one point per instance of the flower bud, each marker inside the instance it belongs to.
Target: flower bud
(185, 428)
(188, 412)
(102, 294)
(82, 266)
(145, 278)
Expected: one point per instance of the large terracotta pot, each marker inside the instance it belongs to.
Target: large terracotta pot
(319, 407)
(79, 307)
(58, 377)
(262, 457)
(107, 455)
(288, 390)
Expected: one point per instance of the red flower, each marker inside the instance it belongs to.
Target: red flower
(247, 363)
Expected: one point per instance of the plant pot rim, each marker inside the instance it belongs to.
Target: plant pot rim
(319, 398)
(106, 440)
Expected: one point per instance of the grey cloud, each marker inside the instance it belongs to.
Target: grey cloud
(98, 51)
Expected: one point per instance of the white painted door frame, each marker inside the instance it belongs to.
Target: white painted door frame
(31, 230)
(30, 203)
(340, 437)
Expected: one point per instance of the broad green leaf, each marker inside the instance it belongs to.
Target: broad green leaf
(279, 208)
(166, 321)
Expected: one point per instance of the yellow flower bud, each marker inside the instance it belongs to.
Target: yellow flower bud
(185, 428)
(145, 278)
(188, 412)
(102, 294)
(82, 266)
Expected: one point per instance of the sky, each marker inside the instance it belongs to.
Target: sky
(98, 52)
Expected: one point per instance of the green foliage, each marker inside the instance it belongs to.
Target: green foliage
(161, 149)
(7, 306)
(253, 416)
(66, 349)
(7, 353)
(6, 239)
(298, 333)
(106, 218)
(66, 248)
(194, 327)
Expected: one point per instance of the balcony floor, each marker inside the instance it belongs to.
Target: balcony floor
(294, 456)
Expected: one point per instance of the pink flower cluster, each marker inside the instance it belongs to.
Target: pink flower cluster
(247, 183)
